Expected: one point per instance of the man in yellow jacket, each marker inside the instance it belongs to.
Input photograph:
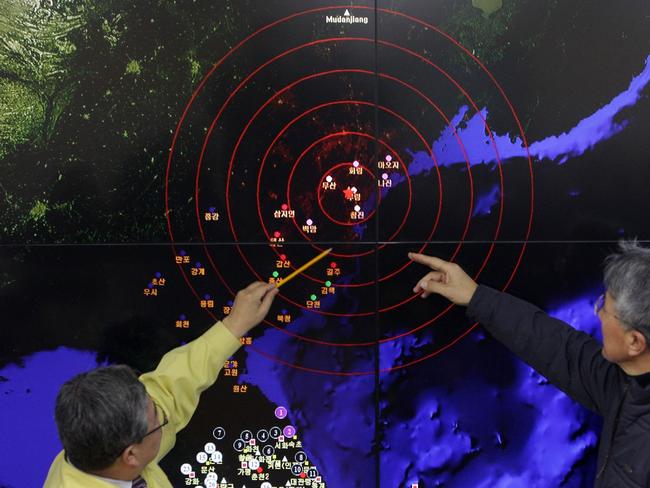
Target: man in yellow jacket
(115, 427)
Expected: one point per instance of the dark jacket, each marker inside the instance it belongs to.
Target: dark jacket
(572, 361)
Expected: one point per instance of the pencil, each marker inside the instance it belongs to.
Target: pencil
(304, 267)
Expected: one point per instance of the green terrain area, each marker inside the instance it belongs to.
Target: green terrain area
(90, 92)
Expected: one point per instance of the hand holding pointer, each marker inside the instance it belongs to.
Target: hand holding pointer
(250, 307)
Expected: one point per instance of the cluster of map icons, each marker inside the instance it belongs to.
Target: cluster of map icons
(268, 458)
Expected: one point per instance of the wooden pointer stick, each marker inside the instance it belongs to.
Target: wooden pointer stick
(304, 267)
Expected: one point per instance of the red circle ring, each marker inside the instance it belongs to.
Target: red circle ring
(390, 12)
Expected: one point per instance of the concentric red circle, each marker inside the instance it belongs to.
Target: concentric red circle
(466, 52)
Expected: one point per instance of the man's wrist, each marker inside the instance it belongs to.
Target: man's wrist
(471, 293)
(235, 327)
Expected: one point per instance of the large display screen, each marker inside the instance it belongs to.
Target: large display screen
(158, 156)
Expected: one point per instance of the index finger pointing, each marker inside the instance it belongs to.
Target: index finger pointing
(431, 261)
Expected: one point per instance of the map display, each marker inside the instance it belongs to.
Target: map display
(159, 156)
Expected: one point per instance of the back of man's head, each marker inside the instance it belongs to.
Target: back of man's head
(100, 413)
(627, 279)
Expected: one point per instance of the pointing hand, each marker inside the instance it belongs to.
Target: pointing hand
(446, 279)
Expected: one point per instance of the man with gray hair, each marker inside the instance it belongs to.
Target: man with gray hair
(115, 427)
(612, 379)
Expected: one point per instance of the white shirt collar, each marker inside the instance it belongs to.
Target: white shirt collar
(117, 483)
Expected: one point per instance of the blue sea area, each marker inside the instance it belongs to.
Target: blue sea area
(27, 396)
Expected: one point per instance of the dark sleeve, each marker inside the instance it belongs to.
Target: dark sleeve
(570, 359)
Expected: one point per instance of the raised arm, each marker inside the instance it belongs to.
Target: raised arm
(570, 359)
(185, 372)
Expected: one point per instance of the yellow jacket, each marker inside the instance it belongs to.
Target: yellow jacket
(175, 385)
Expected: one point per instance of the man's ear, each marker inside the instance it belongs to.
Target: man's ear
(129, 456)
(636, 342)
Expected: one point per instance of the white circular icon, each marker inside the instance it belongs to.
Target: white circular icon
(186, 468)
(253, 464)
(201, 457)
(216, 457)
(210, 448)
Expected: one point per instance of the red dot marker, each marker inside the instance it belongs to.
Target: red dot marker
(332, 264)
(285, 206)
(276, 234)
(283, 257)
(303, 475)
(260, 470)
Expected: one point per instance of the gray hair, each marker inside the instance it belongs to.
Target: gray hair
(627, 280)
(100, 413)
